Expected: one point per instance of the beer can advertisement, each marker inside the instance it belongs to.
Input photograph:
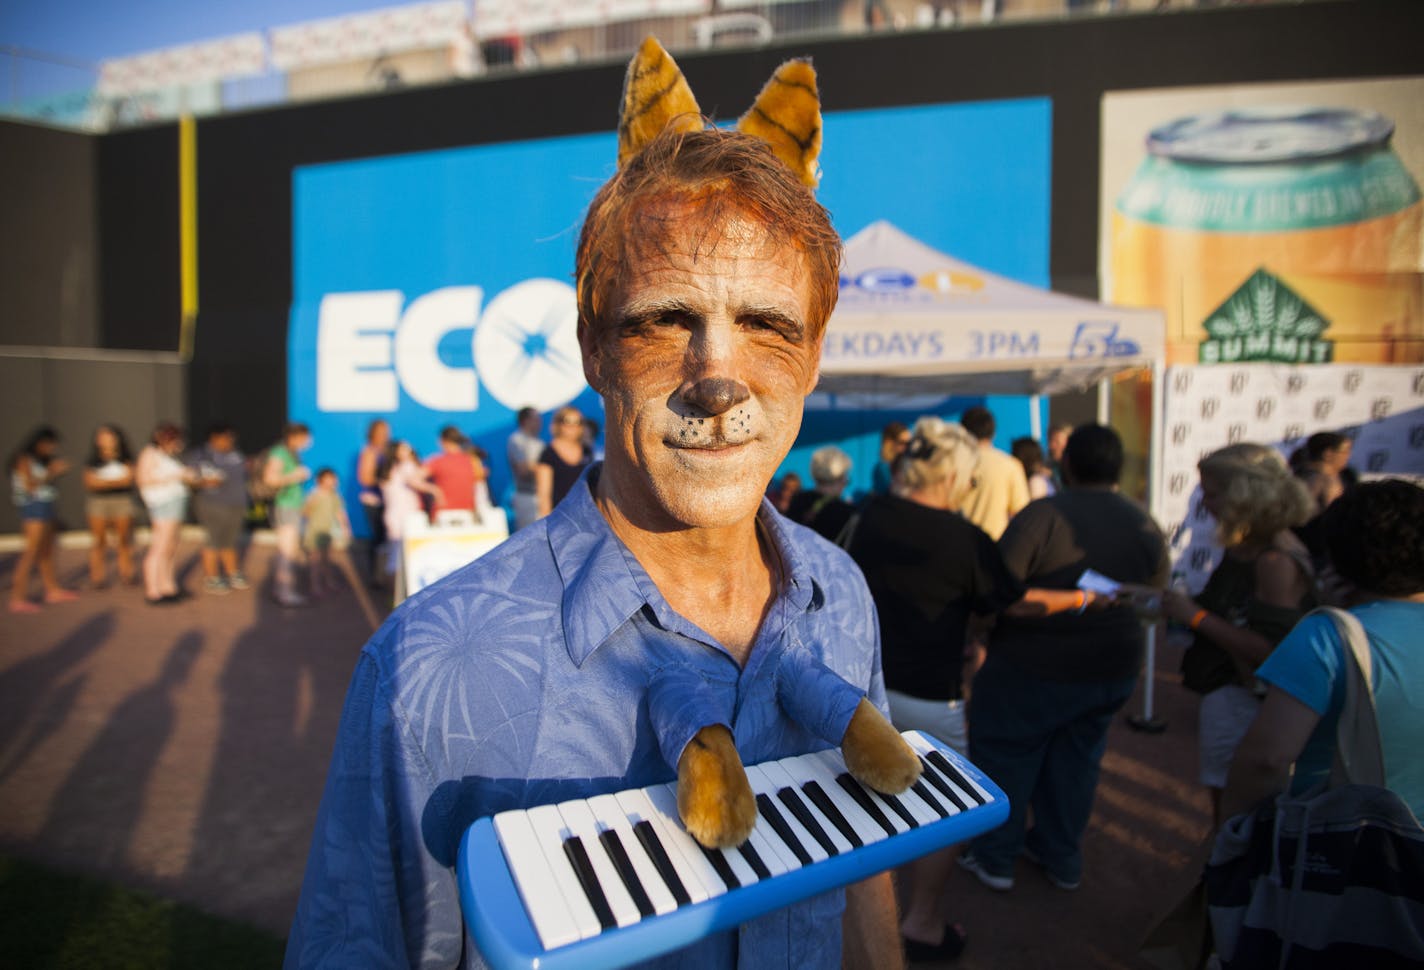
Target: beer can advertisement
(1274, 223)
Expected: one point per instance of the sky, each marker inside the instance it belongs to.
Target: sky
(93, 30)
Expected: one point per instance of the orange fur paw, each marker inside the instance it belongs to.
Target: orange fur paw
(716, 803)
(876, 754)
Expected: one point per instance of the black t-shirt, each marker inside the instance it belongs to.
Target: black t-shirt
(565, 474)
(823, 513)
(928, 570)
(1049, 544)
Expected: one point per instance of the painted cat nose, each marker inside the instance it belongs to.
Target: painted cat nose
(714, 395)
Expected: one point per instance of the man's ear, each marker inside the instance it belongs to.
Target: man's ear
(814, 377)
(591, 350)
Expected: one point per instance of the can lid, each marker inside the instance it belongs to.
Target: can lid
(1270, 134)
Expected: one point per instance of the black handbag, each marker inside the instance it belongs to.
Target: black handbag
(1333, 877)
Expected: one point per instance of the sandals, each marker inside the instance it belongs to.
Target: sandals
(947, 949)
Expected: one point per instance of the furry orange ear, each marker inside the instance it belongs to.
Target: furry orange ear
(787, 115)
(655, 96)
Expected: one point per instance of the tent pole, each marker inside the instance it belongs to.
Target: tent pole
(1146, 722)
(1035, 417)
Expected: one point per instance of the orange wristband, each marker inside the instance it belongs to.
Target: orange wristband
(1196, 619)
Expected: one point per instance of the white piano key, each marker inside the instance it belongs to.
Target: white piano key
(939, 797)
(836, 762)
(770, 853)
(550, 831)
(775, 771)
(820, 768)
(923, 746)
(637, 808)
(741, 868)
(610, 816)
(763, 785)
(919, 811)
(765, 836)
(665, 799)
(581, 822)
(543, 899)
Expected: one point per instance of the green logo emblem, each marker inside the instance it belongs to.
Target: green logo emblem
(1265, 320)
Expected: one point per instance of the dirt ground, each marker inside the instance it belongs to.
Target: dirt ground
(182, 749)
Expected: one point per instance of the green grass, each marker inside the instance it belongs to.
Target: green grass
(50, 919)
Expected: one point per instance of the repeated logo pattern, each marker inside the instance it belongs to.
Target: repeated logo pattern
(1208, 407)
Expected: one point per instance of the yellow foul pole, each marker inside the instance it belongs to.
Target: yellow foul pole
(188, 232)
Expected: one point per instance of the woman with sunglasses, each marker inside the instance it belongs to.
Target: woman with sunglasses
(562, 461)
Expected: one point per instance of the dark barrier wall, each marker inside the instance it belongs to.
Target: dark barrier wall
(73, 395)
(48, 251)
(138, 236)
(246, 161)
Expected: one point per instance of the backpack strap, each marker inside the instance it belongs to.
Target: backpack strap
(1359, 759)
(847, 533)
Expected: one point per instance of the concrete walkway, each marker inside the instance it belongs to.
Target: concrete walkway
(182, 749)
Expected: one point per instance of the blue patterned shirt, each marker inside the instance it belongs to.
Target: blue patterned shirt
(520, 680)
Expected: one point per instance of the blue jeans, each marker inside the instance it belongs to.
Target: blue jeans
(1041, 741)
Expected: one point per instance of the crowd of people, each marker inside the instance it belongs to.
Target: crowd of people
(1008, 594)
(968, 556)
(225, 491)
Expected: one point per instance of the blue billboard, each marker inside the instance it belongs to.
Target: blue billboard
(435, 288)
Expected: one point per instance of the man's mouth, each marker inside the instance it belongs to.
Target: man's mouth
(705, 444)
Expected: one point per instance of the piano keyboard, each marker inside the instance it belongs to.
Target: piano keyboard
(614, 879)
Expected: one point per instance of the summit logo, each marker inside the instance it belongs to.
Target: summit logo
(1265, 321)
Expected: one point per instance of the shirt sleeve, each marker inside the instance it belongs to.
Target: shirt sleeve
(372, 895)
(1307, 663)
(995, 586)
(1026, 536)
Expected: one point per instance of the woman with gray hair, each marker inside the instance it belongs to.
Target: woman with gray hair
(929, 570)
(822, 508)
(1264, 584)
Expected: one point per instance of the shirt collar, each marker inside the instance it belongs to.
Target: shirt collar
(604, 585)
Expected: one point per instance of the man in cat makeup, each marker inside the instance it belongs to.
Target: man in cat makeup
(706, 274)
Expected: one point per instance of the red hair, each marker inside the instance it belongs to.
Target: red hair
(726, 175)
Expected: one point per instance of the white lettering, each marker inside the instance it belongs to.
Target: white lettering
(425, 377)
(353, 351)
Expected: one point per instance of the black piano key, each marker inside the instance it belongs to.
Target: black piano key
(919, 789)
(941, 785)
(782, 828)
(583, 868)
(862, 798)
(648, 838)
(898, 808)
(723, 867)
(792, 800)
(818, 795)
(613, 845)
(942, 763)
(750, 854)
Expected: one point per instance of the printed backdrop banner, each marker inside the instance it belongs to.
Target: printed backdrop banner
(1209, 407)
(434, 288)
(1272, 223)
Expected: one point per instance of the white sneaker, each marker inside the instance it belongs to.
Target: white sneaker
(968, 863)
(290, 599)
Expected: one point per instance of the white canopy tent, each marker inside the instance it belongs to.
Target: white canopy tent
(914, 320)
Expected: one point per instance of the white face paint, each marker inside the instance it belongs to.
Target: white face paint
(704, 369)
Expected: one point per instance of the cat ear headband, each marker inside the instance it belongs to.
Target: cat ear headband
(786, 115)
